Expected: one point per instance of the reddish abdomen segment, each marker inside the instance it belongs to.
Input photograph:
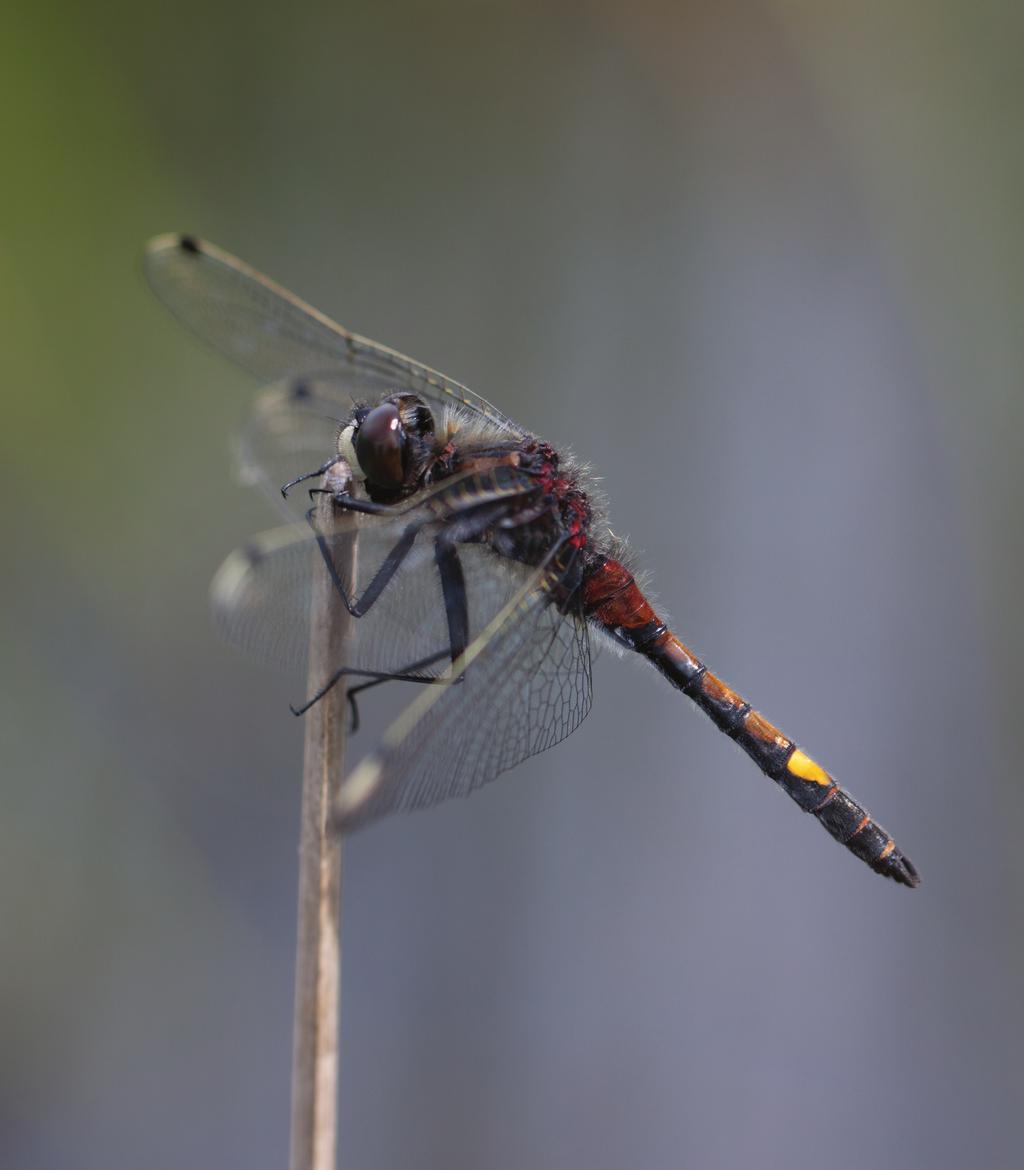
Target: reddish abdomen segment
(614, 601)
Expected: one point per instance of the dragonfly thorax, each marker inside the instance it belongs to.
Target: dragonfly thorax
(561, 480)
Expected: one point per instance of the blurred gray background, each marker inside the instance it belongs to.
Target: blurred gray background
(761, 263)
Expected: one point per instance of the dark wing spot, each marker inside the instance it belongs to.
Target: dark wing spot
(301, 391)
(189, 244)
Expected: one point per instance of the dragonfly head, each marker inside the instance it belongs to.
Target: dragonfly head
(390, 444)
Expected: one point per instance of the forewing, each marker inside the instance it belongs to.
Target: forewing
(276, 336)
(526, 685)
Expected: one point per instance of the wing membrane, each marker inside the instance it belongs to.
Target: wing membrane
(276, 336)
(526, 686)
(292, 430)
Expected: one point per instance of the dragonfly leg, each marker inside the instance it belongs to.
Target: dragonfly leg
(389, 566)
(376, 677)
(405, 674)
(466, 522)
(321, 470)
(352, 504)
(453, 590)
(463, 529)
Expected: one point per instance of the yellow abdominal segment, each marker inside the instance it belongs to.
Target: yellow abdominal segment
(801, 764)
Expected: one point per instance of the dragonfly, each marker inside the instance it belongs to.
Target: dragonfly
(485, 565)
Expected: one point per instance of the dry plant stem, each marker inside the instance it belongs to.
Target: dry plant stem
(314, 1135)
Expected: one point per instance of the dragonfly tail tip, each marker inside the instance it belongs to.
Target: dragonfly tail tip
(901, 869)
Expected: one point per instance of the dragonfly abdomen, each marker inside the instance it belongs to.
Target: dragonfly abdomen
(615, 602)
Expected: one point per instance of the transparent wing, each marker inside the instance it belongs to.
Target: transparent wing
(261, 594)
(276, 336)
(292, 430)
(526, 686)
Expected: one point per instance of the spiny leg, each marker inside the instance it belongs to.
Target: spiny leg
(465, 527)
(381, 579)
(376, 677)
(405, 674)
(319, 471)
(465, 522)
(468, 527)
(453, 589)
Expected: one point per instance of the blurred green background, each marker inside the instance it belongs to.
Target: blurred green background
(761, 263)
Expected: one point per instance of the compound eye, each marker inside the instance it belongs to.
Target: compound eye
(380, 446)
